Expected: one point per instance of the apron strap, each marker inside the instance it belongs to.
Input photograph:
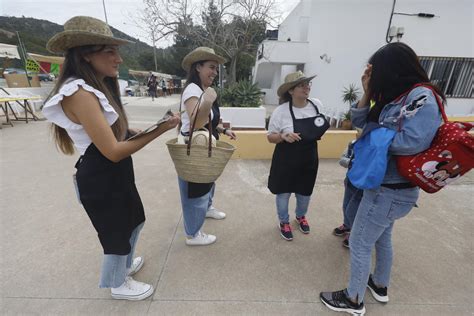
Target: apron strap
(293, 114)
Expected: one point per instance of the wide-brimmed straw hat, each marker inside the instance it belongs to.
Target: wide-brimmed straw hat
(81, 31)
(292, 80)
(199, 54)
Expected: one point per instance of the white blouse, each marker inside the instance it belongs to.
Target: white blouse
(53, 111)
(281, 120)
(192, 90)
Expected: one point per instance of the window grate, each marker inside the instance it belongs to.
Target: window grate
(454, 76)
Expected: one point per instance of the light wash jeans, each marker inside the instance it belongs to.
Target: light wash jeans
(115, 267)
(282, 199)
(378, 210)
(194, 210)
(211, 196)
(350, 203)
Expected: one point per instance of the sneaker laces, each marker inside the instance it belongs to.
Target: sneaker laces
(339, 296)
(127, 283)
(286, 228)
(303, 221)
(201, 234)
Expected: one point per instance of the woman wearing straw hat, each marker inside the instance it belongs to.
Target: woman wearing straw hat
(196, 198)
(295, 126)
(88, 116)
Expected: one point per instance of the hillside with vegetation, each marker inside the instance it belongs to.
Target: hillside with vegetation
(35, 33)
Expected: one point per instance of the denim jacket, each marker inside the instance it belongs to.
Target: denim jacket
(416, 124)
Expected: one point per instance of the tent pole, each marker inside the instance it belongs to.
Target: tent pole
(22, 51)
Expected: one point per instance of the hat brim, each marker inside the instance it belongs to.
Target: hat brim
(193, 57)
(288, 85)
(63, 41)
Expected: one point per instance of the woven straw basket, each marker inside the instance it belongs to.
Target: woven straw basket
(198, 167)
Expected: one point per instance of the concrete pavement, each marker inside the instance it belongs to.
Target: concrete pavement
(51, 256)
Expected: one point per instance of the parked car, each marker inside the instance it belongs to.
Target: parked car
(45, 77)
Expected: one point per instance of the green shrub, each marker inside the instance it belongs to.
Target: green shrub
(240, 94)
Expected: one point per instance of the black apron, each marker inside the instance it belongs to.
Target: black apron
(295, 166)
(196, 190)
(108, 193)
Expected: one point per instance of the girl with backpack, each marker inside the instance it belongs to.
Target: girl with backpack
(413, 114)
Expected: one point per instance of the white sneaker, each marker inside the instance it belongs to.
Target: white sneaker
(132, 290)
(201, 239)
(137, 264)
(212, 212)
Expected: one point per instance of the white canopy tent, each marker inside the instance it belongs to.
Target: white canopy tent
(142, 73)
(9, 51)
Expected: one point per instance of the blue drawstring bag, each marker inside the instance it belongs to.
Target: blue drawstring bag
(371, 156)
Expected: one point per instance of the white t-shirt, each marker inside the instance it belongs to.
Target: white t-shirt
(192, 90)
(281, 121)
(53, 111)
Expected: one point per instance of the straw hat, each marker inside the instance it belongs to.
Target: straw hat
(83, 30)
(201, 53)
(292, 80)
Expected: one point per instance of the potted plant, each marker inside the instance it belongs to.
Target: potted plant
(346, 120)
(241, 105)
(349, 95)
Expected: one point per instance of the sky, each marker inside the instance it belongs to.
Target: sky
(119, 12)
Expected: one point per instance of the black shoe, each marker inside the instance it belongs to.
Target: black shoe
(345, 242)
(285, 231)
(379, 293)
(339, 302)
(341, 230)
(303, 224)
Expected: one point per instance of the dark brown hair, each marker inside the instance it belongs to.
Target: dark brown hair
(395, 69)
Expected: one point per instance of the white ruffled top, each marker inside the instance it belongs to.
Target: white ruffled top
(53, 111)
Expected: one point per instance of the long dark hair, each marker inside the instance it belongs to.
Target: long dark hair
(193, 77)
(395, 69)
(75, 66)
(193, 74)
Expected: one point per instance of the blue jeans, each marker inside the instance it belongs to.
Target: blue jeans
(194, 210)
(211, 196)
(282, 199)
(350, 203)
(378, 211)
(115, 267)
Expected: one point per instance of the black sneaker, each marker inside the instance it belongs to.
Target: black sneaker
(379, 293)
(303, 224)
(341, 230)
(345, 242)
(285, 231)
(339, 302)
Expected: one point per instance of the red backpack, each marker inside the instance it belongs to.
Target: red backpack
(450, 155)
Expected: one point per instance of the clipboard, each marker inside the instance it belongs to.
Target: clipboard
(151, 128)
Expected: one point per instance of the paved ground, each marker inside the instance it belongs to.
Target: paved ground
(51, 257)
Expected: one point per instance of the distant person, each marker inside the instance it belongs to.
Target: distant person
(295, 127)
(196, 198)
(389, 79)
(163, 87)
(88, 116)
(152, 84)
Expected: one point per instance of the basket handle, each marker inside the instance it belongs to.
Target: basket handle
(193, 124)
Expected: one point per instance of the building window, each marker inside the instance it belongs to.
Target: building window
(454, 76)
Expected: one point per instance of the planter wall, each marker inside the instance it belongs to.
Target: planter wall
(253, 118)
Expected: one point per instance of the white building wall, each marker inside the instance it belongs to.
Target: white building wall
(348, 32)
(295, 22)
